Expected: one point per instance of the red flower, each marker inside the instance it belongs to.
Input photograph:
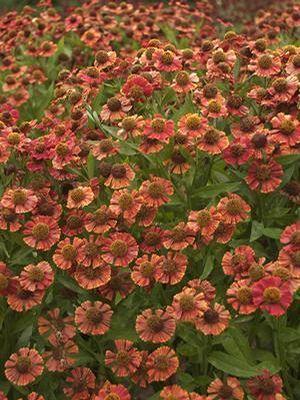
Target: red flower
(137, 88)
(119, 249)
(264, 176)
(266, 386)
(155, 326)
(110, 391)
(162, 363)
(93, 318)
(41, 233)
(273, 295)
(126, 360)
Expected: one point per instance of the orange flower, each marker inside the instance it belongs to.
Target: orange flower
(213, 321)
(101, 220)
(172, 269)
(80, 197)
(112, 392)
(119, 249)
(188, 304)
(174, 392)
(24, 366)
(155, 326)
(61, 356)
(41, 233)
(92, 277)
(238, 264)
(213, 141)
(115, 108)
(126, 203)
(162, 363)
(20, 299)
(89, 253)
(156, 191)
(230, 389)
(178, 238)
(80, 384)
(120, 176)
(66, 253)
(37, 277)
(54, 326)
(19, 200)
(192, 125)
(145, 269)
(239, 295)
(264, 176)
(125, 361)
(204, 221)
(233, 209)
(93, 318)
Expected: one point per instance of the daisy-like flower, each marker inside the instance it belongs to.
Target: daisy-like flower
(265, 65)
(229, 389)
(166, 60)
(215, 108)
(131, 126)
(188, 304)
(213, 141)
(291, 235)
(119, 249)
(266, 386)
(238, 263)
(126, 203)
(92, 277)
(52, 325)
(89, 254)
(137, 88)
(80, 197)
(233, 209)
(264, 176)
(185, 82)
(24, 366)
(61, 356)
(6, 279)
(238, 152)
(174, 392)
(37, 277)
(125, 361)
(156, 191)
(204, 287)
(213, 321)
(172, 269)
(162, 363)
(273, 295)
(80, 384)
(113, 392)
(145, 269)
(93, 318)
(283, 89)
(193, 125)
(178, 238)
(155, 326)
(158, 128)
(293, 65)
(41, 233)
(19, 200)
(286, 129)
(66, 252)
(101, 220)
(104, 148)
(291, 190)
(239, 296)
(20, 299)
(120, 176)
(105, 59)
(115, 108)
(204, 221)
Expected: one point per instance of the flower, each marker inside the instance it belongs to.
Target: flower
(158, 128)
(66, 253)
(53, 326)
(213, 141)
(113, 392)
(155, 326)
(19, 200)
(80, 197)
(41, 233)
(20, 299)
(264, 176)
(119, 249)
(213, 321)
(172, 269)
(238, 264)
(239, 295)
(145, 269)
(92, 277)
(233, 209)
(126, 360)
(265, 65)
(93, 318)
(120, 176)
(137, 88)
(174, 392)
(79, 383)
(166, 60)
(156, 191)
(162, 363)
(188, 304)
(24, 366)
(193, 125)
(286, 129)
(266, 386)
(230, 389)
(37, 277)
(272, 294)
(115, 108)
(101, 220)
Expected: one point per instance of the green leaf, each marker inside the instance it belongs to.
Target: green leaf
(214, 190)
(208, 266)
(232, 365)
(273, 233)
(256, 230)
(91, 165)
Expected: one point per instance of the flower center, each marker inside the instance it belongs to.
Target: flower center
(237, 150)
(234, 101)
(247, 124)
(265, 61)
(19, 197)
(267, 386)
(296, 61)
(100, 217)
(156, 190)
(77, 195)
(3, 281)
(155, 323)
(287, 127)
(114, 104)
(225, 391)
(256, 272)
(182, 78)
(23, 365)
(102, 57)
(210, 91)
(211, 316)
(280, 85)
(244, 295)
(259, 140)
(147, 269)
(260, 44)
(234, 207)
(125, 201)
(169, 266)
(158, 125)
(119, 248)
(123, 358)
(193, 122)
(106, 145)
(187, 302)
(282, 273)
(152, 238)
(219, 56)
(296, 258)
(136, 92)
(74, 222)
(94, 315)
(178, 234)
(272, 295)
(41, 231)
(167, 58)
(69, 252)
(295, 238)
(62, 149)
(112, 396)
(128, 123)
(36, 274)
(161, 363)
(13, 138)
(91, 250)
(211, 137)
(118, 171)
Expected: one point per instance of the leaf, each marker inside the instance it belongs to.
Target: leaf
(91, 165)
(256, 230)
(214, 190)
(208, 266)
(25, 336)
(288, 159)
(273, 233)
(232, 365)
(236, 344)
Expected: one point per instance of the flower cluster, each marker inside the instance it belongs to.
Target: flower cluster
(149, 220)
